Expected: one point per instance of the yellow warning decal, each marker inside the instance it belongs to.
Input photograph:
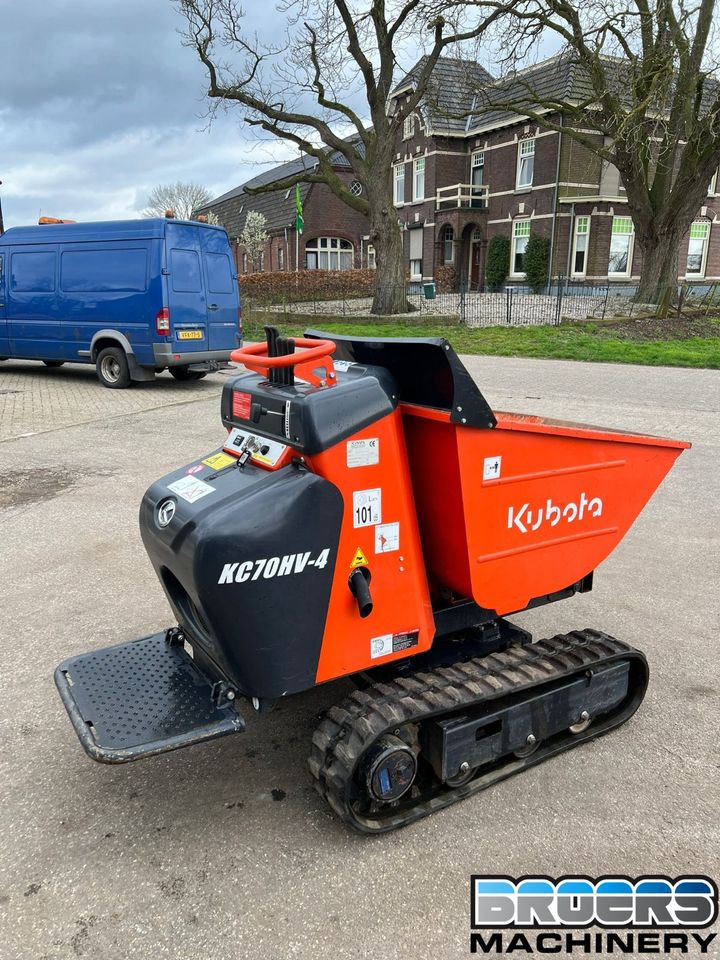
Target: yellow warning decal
(219, 460)
(359, 560)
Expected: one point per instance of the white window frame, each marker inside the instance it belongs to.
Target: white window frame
(399, 182)
(261, 262)
(695, 274)
(577, 233)
(448, 244)
(712, 189)
(331, 250)
(516, 235)
(525, 151)
(245, 262)
(418, 169)
(631, 248)
(371, 257)
(281, 258)
(409, 127)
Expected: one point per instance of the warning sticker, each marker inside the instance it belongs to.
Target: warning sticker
(219, 460)
(195, 468)
(387, 537)
(367, 508)
(359, 560)
(491, 468)
(190, 488)
(393, 643)
(363, 453)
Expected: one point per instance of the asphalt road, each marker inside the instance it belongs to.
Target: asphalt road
(224, 850)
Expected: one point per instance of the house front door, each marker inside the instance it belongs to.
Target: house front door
(476, 263)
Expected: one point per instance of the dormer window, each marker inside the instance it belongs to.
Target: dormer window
(409, 126)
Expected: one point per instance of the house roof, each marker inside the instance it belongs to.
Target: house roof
(277, 206)
(451, 92)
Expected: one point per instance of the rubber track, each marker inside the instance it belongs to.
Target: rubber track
(349, 728)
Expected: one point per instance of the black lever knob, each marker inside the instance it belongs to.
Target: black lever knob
(359, 583)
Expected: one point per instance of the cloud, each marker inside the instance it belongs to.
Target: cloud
(99, 103)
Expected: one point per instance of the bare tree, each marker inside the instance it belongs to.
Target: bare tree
(182, 198)
(308, 92)
(254, 236)
(645, 100)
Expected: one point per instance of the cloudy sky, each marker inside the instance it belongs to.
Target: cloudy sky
(99, 103)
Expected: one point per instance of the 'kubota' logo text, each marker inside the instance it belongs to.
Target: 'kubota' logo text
(526, 518)
(270, 567)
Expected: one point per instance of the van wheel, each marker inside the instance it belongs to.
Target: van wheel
(53, 363)
(183, 373)
(112, 368)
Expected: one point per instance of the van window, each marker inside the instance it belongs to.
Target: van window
(185, 271)
(32, 272)
(219, 274)
(103, 271)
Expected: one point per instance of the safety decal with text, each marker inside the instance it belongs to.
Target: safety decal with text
(367, 507)
(359, 560)
(393, 643)
(219, 460)
(387, 537)
(190, 488)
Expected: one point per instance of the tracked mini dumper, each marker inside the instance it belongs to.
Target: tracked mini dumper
(369, 516)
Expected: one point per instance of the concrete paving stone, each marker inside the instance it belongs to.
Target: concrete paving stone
(187, 856)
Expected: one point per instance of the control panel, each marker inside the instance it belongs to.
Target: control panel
(263, 451)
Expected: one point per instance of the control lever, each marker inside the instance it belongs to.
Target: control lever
(359, 583)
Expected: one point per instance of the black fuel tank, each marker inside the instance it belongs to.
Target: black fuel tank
(247, 567)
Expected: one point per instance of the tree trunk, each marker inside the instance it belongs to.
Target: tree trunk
(659, 270)
(391, 279)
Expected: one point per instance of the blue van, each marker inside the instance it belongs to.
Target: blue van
(134, 297)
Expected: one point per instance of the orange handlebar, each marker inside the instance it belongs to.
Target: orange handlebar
(315, 354)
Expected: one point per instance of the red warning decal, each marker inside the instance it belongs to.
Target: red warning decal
(241, 405)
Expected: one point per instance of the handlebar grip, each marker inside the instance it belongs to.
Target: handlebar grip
(359, 583)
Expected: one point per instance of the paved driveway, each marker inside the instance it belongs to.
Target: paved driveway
(223, 850)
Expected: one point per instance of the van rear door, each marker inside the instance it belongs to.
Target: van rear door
(186, 288)
(222, 289)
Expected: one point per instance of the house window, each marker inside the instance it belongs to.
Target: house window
(520, 237)
(419, 179)
(477, 169)
(526, 163)
(399, 184)
(697, 248)
(329, 253)
(409, 126)
(580, 245)
(281, 258)
(416, 253)
(713, 185)
(448, 240)
(261, 262)
(245, 263)
(371, 259)
(621, 238)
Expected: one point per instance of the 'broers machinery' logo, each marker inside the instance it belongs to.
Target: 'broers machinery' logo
(532, 517)
(641, 909)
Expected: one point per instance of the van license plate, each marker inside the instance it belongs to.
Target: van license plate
(190, 335)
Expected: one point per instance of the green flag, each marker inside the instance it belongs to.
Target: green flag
(299, 221)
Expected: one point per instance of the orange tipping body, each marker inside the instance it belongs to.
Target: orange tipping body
(527, 508)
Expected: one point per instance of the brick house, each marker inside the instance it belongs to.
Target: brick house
(334, 235)
(458, 182)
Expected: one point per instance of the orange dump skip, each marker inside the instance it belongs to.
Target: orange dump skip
(529, 507)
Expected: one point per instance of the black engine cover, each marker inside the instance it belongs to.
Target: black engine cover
(248, 570)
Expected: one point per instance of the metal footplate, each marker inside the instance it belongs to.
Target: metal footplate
(138, 699)
(398, 750)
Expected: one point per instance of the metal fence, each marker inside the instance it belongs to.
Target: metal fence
(513, 305)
